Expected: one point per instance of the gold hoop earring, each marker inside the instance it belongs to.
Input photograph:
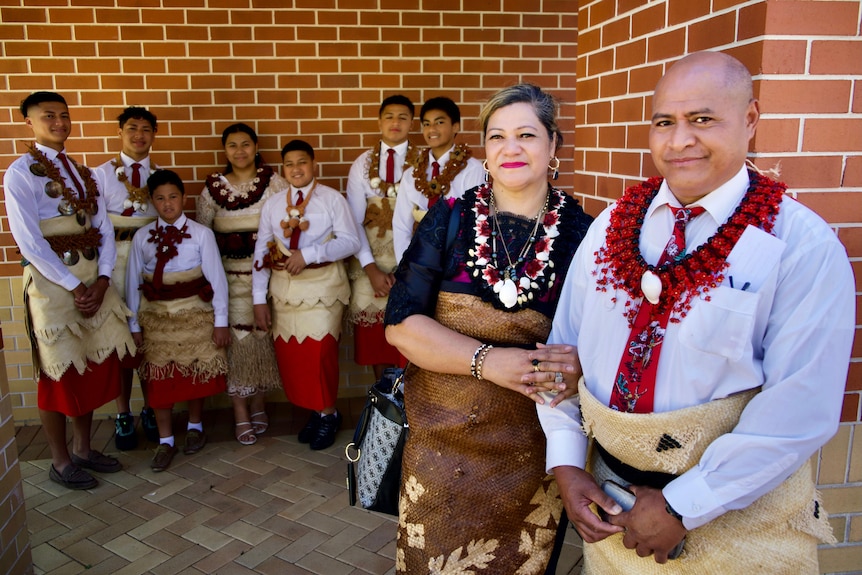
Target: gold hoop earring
(555, 166)
(487, 172)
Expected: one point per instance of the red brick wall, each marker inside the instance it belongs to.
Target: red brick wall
(307, 68)
(807, 60)
(315, 69)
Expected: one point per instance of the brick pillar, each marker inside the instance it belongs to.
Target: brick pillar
(14, 538)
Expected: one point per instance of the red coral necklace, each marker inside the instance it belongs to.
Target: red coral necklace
(621, 265)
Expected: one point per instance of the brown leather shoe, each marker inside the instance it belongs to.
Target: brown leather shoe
(195, 441)
(96, 461)
(163, 457)
(72, 477)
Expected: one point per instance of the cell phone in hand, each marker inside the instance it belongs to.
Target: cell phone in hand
(626, 499)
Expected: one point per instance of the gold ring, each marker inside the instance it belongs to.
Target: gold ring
(535, 363)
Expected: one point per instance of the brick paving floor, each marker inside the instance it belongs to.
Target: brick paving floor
(272, 508)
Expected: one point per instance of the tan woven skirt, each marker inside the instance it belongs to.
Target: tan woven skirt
(777, 534)
(365, 308)
(475, 497)
(251, 354)
(60, 337)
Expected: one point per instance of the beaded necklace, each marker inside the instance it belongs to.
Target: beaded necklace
(514, 287)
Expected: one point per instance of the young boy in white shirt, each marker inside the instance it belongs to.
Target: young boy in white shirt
(305, 232)
(181, 322)
(76, 318)
(123, 183)
(444, 170)
(372, 186)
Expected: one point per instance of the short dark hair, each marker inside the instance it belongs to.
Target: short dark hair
(162, 177)
(241, 128)
(397, 100)
(138, 113)
(445, 105)
(37, 98)
(297, 146)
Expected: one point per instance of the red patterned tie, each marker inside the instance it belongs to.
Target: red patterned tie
(390, 166)
(294, 235)
(634, 388)
(136, 175)
(435, 173)
(72, 176)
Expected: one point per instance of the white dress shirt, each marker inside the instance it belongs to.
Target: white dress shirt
(328, 216)
(786, 324)
(115, 191)
(359, 190)
(409, 197)
(198, 250)
(27, 204)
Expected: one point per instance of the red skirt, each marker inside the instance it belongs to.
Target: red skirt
(75, 395)
(164, 393)
(371, 348)
(309, 371)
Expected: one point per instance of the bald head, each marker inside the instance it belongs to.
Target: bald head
(704, 115)
(715, 68)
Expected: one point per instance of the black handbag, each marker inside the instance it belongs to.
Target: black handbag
(374, 455)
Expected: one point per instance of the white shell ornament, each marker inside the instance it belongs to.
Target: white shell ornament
(651, 287)
(507, 291)
(127, 204)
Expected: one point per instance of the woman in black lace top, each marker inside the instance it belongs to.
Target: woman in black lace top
(475, 293)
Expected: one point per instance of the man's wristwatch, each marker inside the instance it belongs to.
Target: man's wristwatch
(671, 511)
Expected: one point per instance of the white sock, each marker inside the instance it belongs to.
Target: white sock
(199, 426)
(169, 440)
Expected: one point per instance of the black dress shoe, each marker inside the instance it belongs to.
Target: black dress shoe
(309, 432)
(326, 430)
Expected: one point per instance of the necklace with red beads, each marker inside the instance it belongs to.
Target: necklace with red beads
(622, 267)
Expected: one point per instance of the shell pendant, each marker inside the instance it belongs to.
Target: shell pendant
(651, 287)
(507, 290)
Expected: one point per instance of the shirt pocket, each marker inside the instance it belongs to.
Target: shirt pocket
(722, 326)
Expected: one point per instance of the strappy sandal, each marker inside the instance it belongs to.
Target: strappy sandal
(261, 424)
(246, 437)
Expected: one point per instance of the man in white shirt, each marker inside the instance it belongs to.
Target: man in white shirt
(372, 186)
(444, 170)
(76, 320)
(724, 362)
(123, 182)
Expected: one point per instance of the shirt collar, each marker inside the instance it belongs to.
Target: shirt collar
(304, 190)
(400, 149)
(719, 203)
(49, 152)
(181, 221)
(444, 159)
(128, 161)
